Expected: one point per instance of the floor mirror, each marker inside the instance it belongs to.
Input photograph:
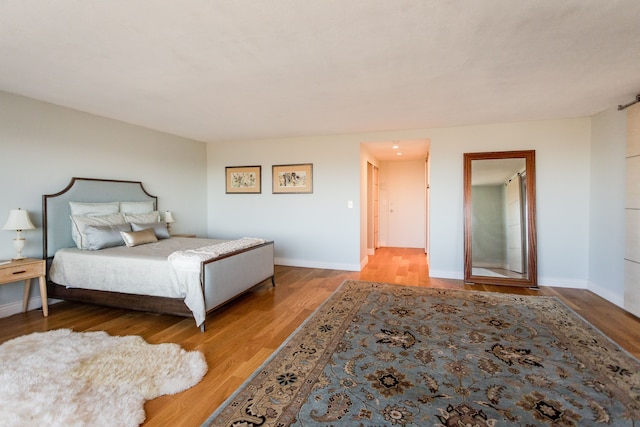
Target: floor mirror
(500, 218)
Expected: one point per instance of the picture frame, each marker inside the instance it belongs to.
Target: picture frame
(294, 178)
(243, 179)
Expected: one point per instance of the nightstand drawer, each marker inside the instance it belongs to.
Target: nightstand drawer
(22, 271)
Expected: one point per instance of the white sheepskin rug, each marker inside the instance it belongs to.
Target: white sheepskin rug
(66, 378)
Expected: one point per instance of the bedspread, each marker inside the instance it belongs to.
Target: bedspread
(142, 270)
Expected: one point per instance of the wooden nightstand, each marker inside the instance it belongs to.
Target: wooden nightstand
(26, 269)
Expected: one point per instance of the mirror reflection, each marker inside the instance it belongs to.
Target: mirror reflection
(500, 218)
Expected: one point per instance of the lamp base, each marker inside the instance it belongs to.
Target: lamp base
(18, 244)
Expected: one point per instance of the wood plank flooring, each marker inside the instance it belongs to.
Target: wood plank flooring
(241, 335)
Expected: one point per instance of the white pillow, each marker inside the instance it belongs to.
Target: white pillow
(143, 218)
(79, 222)
(136, 207)
(90, 209)
(93, 209)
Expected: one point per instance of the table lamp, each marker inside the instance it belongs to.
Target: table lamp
(168, 218)
(18, 221)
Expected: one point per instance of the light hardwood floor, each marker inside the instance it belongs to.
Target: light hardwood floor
(241, 335)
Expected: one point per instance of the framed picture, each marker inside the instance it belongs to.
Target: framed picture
(244, 179)
(293, 178)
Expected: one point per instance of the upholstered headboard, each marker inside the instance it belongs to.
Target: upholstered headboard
(56, 222)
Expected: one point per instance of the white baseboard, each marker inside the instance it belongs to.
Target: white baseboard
(444, 274)
(15, 307)
(562, 283)
(314, 264)
(364, 262)
(544, 281)
(606, 294)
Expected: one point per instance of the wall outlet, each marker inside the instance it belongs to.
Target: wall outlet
(350, 204)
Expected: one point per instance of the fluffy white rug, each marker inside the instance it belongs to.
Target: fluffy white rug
(66, 378)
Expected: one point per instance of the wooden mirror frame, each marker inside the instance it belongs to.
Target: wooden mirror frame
(532, 277)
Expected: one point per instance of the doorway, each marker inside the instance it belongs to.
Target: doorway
(373, 209)
(397, 194)
(403, 205)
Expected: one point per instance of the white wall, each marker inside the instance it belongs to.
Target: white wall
(562, 166)
(607, 203)
(489, 226)
(632, 212)
(42, 146)
(321, 231)
(310, 230)
(579, 237)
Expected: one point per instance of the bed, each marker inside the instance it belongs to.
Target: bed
(160, 274)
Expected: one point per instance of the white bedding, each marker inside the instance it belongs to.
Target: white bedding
(140, 270)
(190, 259)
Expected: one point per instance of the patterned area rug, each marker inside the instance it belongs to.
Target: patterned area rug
(378, 354)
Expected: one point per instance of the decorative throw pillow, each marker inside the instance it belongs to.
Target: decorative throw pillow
(159, 228)
(135, 238)
(104, 236)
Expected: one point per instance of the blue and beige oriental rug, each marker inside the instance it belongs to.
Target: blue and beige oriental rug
(386, 355)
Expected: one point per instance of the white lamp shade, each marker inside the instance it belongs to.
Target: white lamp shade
(18, 220)
(168, 217)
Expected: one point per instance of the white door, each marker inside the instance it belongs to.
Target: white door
(426, 204)
(376, 209)
(514, 226)
(373, 217)
(406, 204)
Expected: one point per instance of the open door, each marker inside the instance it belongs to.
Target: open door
(373, 210)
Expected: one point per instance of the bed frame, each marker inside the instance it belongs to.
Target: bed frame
(224, 278)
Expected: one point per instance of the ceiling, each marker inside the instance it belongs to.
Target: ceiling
(229, 70)
(407, 149)
(495, 171)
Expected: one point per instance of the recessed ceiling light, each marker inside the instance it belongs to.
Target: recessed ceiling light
(399, 153)
(395, 146)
